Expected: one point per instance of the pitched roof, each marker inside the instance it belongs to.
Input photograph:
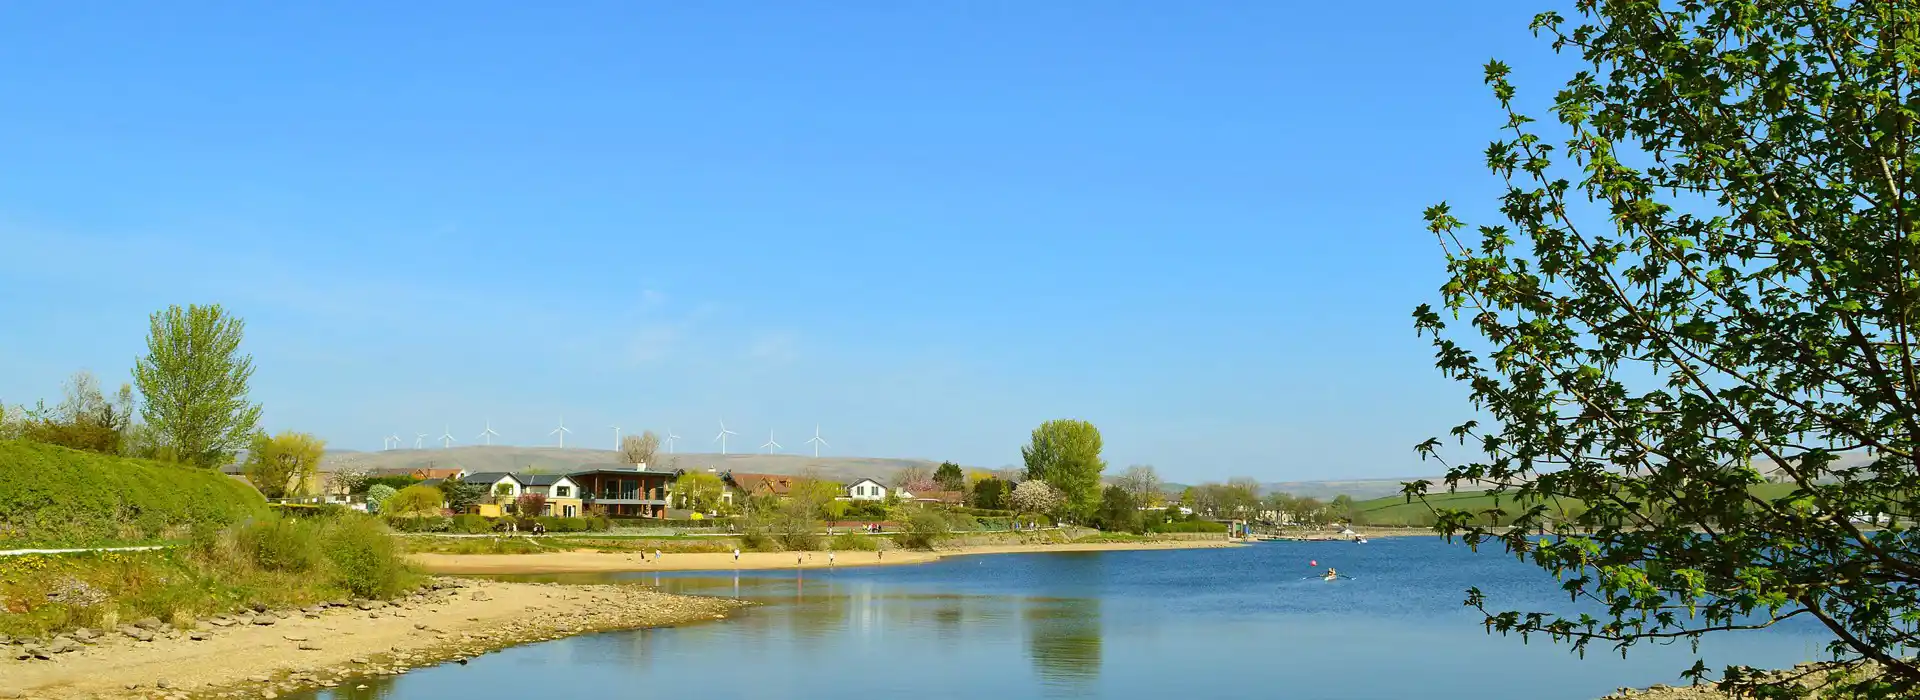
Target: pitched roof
(539, 479)
(437, 472)
(776, 484)
(616, 467)
(488, 477)
(863, 480)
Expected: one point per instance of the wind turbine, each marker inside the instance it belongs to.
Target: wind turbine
(419, 440)
(488, 434)
(390, 442)
(722, 437)
(446, 437)
(616, 438)
(770, 444)
(817, 441)
(670, 438)
(562, 432)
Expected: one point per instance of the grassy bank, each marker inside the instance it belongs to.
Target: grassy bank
(56, 497)
(1395, 511)
(271, 562)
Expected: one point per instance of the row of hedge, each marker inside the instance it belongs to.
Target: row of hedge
(476, 524)
(54, 496)
(1188, 526)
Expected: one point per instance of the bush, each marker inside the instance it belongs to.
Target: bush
(849, 542)
(414, 523)
(364, 561)
(471, 524)
(758, 540)
(414, 500)
(377, 497)
(866, 510)
(55, 496)
(393, 482)
(558, 524)
(280, 544)
(925, 529)
(1189, 526)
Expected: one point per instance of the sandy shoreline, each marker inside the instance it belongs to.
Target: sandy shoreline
(334, 645)
(590, 562)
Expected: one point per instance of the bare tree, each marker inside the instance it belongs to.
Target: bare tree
(1141, 482)
(915, 480)
(639, 449)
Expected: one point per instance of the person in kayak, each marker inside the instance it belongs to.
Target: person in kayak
(1331, 574)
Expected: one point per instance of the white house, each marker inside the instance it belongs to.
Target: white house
(498, 483)
(866, 490)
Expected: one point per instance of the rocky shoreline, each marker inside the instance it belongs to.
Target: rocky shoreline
(1811, 675)
(266, 653)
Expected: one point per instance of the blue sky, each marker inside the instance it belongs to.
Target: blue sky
(925, 226)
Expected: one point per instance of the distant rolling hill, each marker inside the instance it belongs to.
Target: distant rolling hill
(502, 458)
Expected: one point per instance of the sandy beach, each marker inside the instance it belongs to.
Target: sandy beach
(587, 562)
(263, 655)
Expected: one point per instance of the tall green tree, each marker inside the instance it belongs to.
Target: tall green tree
(699, 491)
(1117, 512)
(461, 495)
(1065, 453)
(950, 477)
(1708, 279)
(989, 493)
(194, 380)
(284, 465)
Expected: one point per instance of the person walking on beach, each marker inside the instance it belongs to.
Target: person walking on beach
(736, 556)
(829, 557)
(656, 556)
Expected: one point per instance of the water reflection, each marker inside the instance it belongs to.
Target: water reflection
(1063, 642)
(376, 688)
(1128, 625)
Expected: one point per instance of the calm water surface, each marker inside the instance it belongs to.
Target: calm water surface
(1158, 624)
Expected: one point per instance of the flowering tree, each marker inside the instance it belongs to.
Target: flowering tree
(1035, 496)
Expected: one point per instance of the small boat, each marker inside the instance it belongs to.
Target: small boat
(1361, 540)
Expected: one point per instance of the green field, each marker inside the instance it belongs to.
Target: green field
(1395, 511)
(56, 497)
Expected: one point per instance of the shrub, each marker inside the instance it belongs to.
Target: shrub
(280, 544)
(758, 540)
(363, 559)
(60, 497)
(925, 529)
(558, 524)
(471, 524)
(377, 497)
(393, 482)
(415, 523)
(414, 500)
(1189, 526)
(849, 542)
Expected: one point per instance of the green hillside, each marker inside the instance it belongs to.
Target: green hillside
(54, 497)
(1395, 511)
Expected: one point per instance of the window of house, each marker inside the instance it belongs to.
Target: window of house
(563, 491)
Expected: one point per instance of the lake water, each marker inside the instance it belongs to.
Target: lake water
(1155, 624)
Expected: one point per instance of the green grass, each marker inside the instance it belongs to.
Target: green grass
(55, 497)
(279, 563)
(1395, 511)
(550, 543)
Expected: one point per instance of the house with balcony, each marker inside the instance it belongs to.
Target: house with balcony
(624, 490)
